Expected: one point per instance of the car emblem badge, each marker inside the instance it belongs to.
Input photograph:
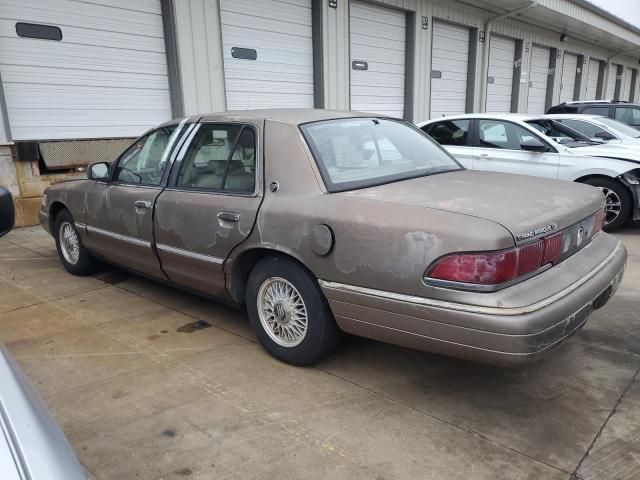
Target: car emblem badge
(537, 231)
(580, 236)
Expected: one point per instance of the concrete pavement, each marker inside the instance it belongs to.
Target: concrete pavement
(153, 383)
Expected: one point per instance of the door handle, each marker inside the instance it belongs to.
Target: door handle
(142, 204)
(484, 154)
(229, 216)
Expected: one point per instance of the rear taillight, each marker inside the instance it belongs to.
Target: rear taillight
(598, 221)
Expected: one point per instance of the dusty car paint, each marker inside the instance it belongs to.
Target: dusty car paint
(384, 238)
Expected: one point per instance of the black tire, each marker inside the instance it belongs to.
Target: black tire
(322, 334)
(625, 201)
(85, 263)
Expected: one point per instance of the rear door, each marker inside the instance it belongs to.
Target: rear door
(210, 204)
(498, 149)
(453, 135)
(119, 213)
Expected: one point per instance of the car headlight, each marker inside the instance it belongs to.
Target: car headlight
(632, 177)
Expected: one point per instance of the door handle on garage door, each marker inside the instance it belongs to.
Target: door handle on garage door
(142, 204)
(229, 216)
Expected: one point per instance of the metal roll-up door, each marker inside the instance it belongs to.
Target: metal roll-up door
(569, 73)
(502, 52)
(377, 38)
(591, 92)
(449, 67)
(77, 70)
(626, 85)
(611, 83)
(268, 53)
(538, 77)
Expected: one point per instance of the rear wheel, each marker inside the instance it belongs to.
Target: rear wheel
(289, 313)
(74, 257)
(617, 202)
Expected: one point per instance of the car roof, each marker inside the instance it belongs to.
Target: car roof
(493, 116)
(293, 116)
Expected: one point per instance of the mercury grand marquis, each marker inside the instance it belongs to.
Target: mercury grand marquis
(321, 222)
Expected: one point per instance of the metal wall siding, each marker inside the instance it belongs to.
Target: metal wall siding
(106, 78)
(626, 85)
(377, 36)
(450, 57)
(281, 35)
(568, 82)
(501, 56)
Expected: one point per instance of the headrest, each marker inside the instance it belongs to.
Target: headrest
(219, 134)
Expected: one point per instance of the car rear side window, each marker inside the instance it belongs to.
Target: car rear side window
(498, 134)
(221, 158)
(361, 152)
(585, 128)
(604, 111)
(628, 115)
(449, 132)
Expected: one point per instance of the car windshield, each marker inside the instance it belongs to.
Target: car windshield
(619, 127)
(561, 133)
(361, 152)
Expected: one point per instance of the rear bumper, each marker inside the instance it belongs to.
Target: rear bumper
(505, 336)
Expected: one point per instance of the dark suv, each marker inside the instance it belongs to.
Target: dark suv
(620, 110)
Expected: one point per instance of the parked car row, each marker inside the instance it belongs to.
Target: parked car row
(547, 146)
(321, 222)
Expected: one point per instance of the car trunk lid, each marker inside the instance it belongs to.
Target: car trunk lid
(529, 207)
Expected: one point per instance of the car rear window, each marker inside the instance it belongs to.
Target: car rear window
(361, 152)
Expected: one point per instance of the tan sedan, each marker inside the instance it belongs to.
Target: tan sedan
(323, 222)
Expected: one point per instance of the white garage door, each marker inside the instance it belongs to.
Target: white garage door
(569, 73)
(611, 84)
(502, 53)
(449, 65)
(377, 39)
(626, 85)
(592, 80)
(268, 53)
(106, 76)
(538, 76)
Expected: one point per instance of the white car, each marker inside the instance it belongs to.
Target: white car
(535, 145)
(599, 128)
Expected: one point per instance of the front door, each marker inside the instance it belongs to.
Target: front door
(210, 205)
(119, 213)
(499, 149)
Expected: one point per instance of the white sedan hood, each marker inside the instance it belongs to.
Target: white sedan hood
(629, 153)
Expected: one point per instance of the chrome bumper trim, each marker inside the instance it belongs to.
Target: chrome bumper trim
(462, 307)
(189, 254)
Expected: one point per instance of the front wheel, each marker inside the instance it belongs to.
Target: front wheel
(289, 313)
(617, 202)
(74, 257)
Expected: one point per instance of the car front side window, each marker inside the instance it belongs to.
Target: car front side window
(585, 128)
(142, 163)
(220, 158)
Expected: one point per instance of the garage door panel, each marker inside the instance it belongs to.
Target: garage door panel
(377, 36)
(280, 33)
(538, 78)
(107, 77)
(65, 13)
(450, 58)
(569, 74)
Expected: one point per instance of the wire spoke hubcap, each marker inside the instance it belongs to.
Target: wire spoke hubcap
(282, 312)
(613, 204)
(69, 243)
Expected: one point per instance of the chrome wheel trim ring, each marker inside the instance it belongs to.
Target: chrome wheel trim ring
(613, 205)
(69, 243)
(282, 312)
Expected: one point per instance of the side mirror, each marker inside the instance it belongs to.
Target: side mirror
(602, 135)
(533, 145)
(7, 213)
(98, 171)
